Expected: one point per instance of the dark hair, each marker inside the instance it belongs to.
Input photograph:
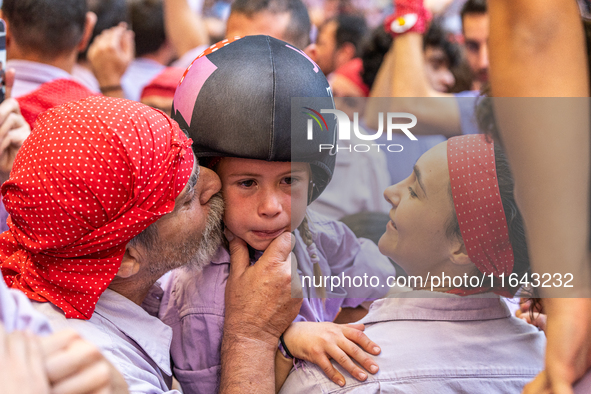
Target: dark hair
(147, 23)
(109, 13)
(298, 30)
(350, 29)
(379, 42)
(437, 37)
(515, 223)
(372, 54)
(473, 7)
(47, 27)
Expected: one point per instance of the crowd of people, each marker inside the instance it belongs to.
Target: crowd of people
(183, 196)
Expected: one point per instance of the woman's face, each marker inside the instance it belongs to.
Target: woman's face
(422, 205)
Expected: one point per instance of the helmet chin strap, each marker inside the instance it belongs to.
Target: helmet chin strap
(311, 187)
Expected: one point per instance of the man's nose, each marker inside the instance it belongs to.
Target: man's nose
(447, 78)
(483, 57)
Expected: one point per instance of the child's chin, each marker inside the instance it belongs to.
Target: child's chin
(260, 245)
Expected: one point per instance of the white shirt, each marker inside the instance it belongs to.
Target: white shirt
(441, 343)
(86, 78)
(137, 344)
(140, 72)
(17, 313)
(31, 75)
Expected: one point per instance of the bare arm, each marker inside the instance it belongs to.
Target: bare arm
(408, 76)
(402, 75)
(184, 28)
(537, 50)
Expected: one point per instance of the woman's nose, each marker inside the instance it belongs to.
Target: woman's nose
(392, 194)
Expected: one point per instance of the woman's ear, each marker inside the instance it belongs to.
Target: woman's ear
(130, 264)
(459, 254)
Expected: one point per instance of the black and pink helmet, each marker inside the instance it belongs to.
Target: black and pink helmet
(235, 100)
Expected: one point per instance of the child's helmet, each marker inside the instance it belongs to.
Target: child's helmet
(236, 100)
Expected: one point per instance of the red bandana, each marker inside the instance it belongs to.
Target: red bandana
(479, 209)
(92, 175)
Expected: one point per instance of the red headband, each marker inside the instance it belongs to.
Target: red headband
(479, 209)
(92, 175)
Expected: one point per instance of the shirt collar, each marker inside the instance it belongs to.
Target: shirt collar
(36, 72)
(221, 256)
(152, 335)
(435, 306)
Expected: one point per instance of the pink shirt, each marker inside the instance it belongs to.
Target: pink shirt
(193, 303)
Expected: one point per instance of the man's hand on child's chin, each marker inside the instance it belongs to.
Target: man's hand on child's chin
(259, 303)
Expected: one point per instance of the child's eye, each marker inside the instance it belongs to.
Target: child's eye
(246, 183)
(290, 180)
(412, 192)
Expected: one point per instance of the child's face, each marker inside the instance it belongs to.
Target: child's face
(263, 199)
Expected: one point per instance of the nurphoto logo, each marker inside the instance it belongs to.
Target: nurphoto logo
(344, 129)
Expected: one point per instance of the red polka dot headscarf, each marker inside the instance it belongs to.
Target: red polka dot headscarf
(478, 205)
(92, 175)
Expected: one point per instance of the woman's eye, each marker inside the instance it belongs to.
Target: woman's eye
(289, 180)
(412, 192)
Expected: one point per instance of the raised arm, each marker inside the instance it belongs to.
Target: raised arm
(184, 28)
(537, 49)
(402, 75)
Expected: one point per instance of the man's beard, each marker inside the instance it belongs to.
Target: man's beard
(212, 236)
(193, 252)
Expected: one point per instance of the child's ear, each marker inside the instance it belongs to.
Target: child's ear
(130, 264)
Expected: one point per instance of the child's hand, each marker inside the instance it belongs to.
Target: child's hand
(537, 318)
(319, 342)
